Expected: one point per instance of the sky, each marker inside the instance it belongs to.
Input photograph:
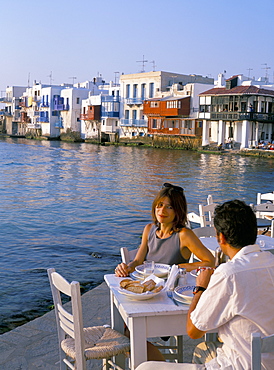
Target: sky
(65, 41)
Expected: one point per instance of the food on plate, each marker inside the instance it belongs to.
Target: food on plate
(136, 286)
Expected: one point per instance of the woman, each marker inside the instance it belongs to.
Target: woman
(168, 240)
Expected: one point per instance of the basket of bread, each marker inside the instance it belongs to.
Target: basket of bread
(137, 290)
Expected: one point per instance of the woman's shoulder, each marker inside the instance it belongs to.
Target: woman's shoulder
(186, 232)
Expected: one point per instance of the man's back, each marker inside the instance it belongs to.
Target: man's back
(240, 300)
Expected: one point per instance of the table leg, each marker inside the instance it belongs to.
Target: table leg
(138, 341)
(117, 323)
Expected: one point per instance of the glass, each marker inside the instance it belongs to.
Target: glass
(149, 267)
(262, 244)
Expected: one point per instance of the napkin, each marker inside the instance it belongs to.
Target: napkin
(171, 278)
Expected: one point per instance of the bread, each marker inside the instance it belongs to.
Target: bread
(149, 285)
(136, 286)
(157, 289)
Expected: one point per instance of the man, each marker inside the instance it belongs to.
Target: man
(238, 298)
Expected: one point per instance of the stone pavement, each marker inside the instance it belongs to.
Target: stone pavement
(34, 345)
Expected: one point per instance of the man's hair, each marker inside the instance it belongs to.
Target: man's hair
(237, 222)
(177, 201)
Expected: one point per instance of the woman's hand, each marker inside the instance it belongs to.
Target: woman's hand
(122, 270)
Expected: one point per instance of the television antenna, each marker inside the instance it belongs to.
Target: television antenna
(249, 69)
(50, 78)
(143, 63)
(266, 73)
(115, 78)
(73, 78)
(154, 65)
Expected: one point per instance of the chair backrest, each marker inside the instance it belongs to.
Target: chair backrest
(264, 209)
(209, 199)
(128, 255)
(207, 214)
(260, 345)
(206, 231)
(265, 196)
(68, 324)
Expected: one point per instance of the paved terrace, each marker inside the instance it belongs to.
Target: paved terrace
(34, 345)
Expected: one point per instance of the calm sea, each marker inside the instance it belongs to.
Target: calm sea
(72, 206)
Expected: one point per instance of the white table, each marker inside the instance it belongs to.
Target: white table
(156, 317)
(211, 243)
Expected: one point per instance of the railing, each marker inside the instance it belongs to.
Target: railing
(133, 122)
(132, 101)
(110, 98)
(110, 114)
(240, 116)
(5, 100)
(34, 125)
(43, 119)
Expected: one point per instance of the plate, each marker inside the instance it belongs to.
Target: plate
(136, 276)
(194, 273)
(185, 293)
(160, 269)
(138, 296)
(180, 300)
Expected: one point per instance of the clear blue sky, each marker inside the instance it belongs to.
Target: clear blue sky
(84, 38)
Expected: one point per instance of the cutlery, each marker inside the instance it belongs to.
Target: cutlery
(170, 295)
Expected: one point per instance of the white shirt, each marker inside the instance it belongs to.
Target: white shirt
(239, 301)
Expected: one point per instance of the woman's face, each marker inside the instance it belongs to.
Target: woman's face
(164, 212)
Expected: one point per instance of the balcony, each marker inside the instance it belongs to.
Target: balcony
(241, 116)
(134, 122)
(60, 107)
(44, 104)
(110, 114)
(43, 119)
(134, 101)
(5, 99)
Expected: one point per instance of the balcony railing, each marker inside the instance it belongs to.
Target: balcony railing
(241, 116)
(60, 107)
(5, 99)
(109, 114)
(134, 101)
(134, 122)
(110, 98)
(43, 119)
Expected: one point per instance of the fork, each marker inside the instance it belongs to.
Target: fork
(170, 295)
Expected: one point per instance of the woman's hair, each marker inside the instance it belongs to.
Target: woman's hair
(237, 222)
(177, 201)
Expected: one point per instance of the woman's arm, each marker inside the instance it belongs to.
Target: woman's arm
(124, 270)
(189, 242)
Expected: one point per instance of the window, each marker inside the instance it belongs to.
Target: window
(134, 114)
(77, 100)
(135, 90)
(154, 123)
(127, 91)
(151, 90)
(143, 91)
(127, 114)
(154, 104)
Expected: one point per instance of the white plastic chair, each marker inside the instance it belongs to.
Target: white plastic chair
(260, 345)
(128, 255)
(265, 211)
(206, 231)
(152, 365)
(268, 197)
(78, 344)
(207, 214)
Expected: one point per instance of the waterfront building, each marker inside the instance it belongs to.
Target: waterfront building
(138, 87)
(238, 110)
(100, 113)
(11, 115)
(176, 112)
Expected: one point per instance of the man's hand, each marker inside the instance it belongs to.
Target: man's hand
(204, 276)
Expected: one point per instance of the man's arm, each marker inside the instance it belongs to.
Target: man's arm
(202, 281)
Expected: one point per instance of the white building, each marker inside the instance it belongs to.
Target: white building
(135, 88)
(12, 116)
(241, 112)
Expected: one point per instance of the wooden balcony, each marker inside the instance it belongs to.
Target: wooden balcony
(93, 113)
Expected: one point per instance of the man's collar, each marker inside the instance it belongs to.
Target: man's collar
(246, 250)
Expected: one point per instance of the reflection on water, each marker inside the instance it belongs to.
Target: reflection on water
(72, 206)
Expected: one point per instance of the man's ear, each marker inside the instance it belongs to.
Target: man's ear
(222, 239)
